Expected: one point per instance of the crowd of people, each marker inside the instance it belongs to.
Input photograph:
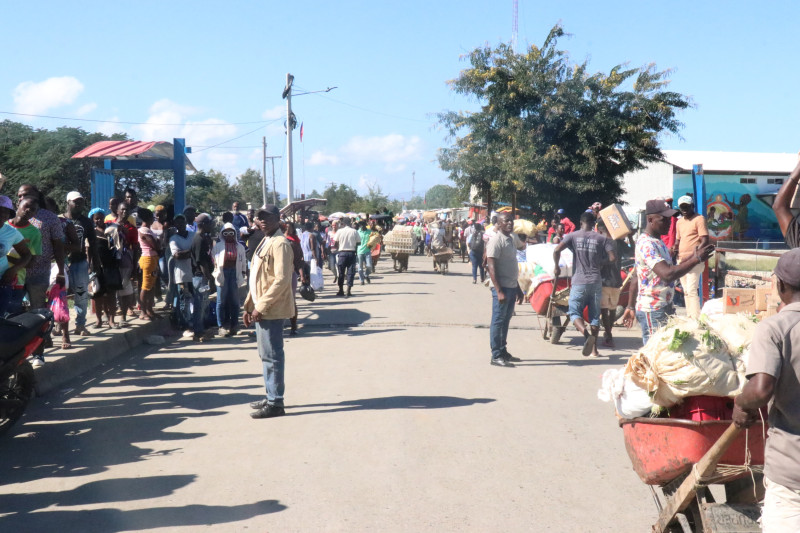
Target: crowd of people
(669, 248)
(117, 263)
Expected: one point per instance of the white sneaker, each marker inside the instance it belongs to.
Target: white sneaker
(37, 361)
(222, 332)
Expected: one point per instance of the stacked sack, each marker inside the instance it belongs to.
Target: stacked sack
(687, 357)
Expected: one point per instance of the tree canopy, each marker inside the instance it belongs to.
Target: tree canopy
(552, 132)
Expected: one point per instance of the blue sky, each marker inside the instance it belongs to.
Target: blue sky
(210, 66)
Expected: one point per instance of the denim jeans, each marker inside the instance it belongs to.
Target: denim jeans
(228, 300)
(332, 263)
(79, 282)
(477, 263)
(364, 259)
(15, 306)
(652, 320)
(501, 318)
(347, 265)
(5, 299)
(581, 296)
(199, 304)
(172, 288)
(183, 299)
(269, 337)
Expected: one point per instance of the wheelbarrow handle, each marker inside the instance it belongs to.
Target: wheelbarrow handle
(688, 489)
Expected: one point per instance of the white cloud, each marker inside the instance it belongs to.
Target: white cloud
(276, 112)
(168, 119)
(37, 98)
(111, 127)
(321, 158)
(85, 109)
(393, 150)
(224, 162)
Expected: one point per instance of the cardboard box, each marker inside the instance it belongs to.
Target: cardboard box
(762, 297)
(616, 221)
(735, 300)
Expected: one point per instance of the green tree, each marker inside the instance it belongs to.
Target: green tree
(340, 198)
(373, 201)
(44, 158)
(442, 196)
(209, 191)
(550, 131)
(248, 188)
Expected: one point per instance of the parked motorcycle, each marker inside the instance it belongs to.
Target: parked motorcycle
(19, 337)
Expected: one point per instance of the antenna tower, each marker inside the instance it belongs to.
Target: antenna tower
(514, 26)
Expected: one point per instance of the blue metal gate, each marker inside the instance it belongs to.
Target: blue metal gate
(102, 187)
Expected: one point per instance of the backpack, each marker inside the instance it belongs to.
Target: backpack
(476, 243)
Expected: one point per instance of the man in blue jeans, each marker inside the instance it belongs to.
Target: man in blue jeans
(501, 256)
(590, 251)
(270, 301)
(79, 259)
(655, 271)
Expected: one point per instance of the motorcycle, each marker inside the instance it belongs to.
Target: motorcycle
(20, 336)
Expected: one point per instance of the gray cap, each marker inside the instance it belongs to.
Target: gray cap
(788, 268)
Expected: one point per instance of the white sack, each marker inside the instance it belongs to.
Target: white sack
(630, 400)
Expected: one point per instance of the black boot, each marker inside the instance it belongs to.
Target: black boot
(347, 295)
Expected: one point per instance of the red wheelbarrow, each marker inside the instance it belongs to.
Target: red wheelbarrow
(685, 457)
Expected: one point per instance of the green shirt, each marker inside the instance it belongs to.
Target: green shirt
(363, 249)
(33, 238)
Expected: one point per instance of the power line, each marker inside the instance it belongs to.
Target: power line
(139, 123)
(229, 140)
(371, 110)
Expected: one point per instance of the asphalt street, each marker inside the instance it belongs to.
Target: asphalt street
(395, 422)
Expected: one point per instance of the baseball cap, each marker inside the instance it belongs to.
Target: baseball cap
(788, 268)
(270, 209)
(5, 201)
(686, 199)
(659, 207)
(74, 195)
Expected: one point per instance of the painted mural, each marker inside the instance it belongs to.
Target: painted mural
(738, 207)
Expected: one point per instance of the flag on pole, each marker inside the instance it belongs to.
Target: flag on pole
(301, 132)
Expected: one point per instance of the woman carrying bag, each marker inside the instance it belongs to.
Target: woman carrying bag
(230, 271)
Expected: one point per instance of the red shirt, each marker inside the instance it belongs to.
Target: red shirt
(669, 238)
(569, 226)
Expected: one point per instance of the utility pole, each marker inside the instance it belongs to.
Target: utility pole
(274, 190)
(264, 171)
(287, 94)
(413, 180)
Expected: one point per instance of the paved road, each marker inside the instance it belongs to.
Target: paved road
(395, 422)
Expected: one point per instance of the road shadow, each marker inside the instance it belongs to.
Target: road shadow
(612, 359)
(117, 521)
(309, 330)
(72, 435)
(388, 402)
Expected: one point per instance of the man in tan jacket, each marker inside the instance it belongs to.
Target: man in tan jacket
(270, 301)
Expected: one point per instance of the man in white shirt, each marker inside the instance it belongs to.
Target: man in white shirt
(347, 241)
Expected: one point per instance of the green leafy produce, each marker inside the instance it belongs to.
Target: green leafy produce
(678, 338)
(712, 341)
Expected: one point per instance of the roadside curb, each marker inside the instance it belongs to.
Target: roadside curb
(56, 373)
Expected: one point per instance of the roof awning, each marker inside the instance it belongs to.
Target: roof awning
(300, 205)
(131, 150)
